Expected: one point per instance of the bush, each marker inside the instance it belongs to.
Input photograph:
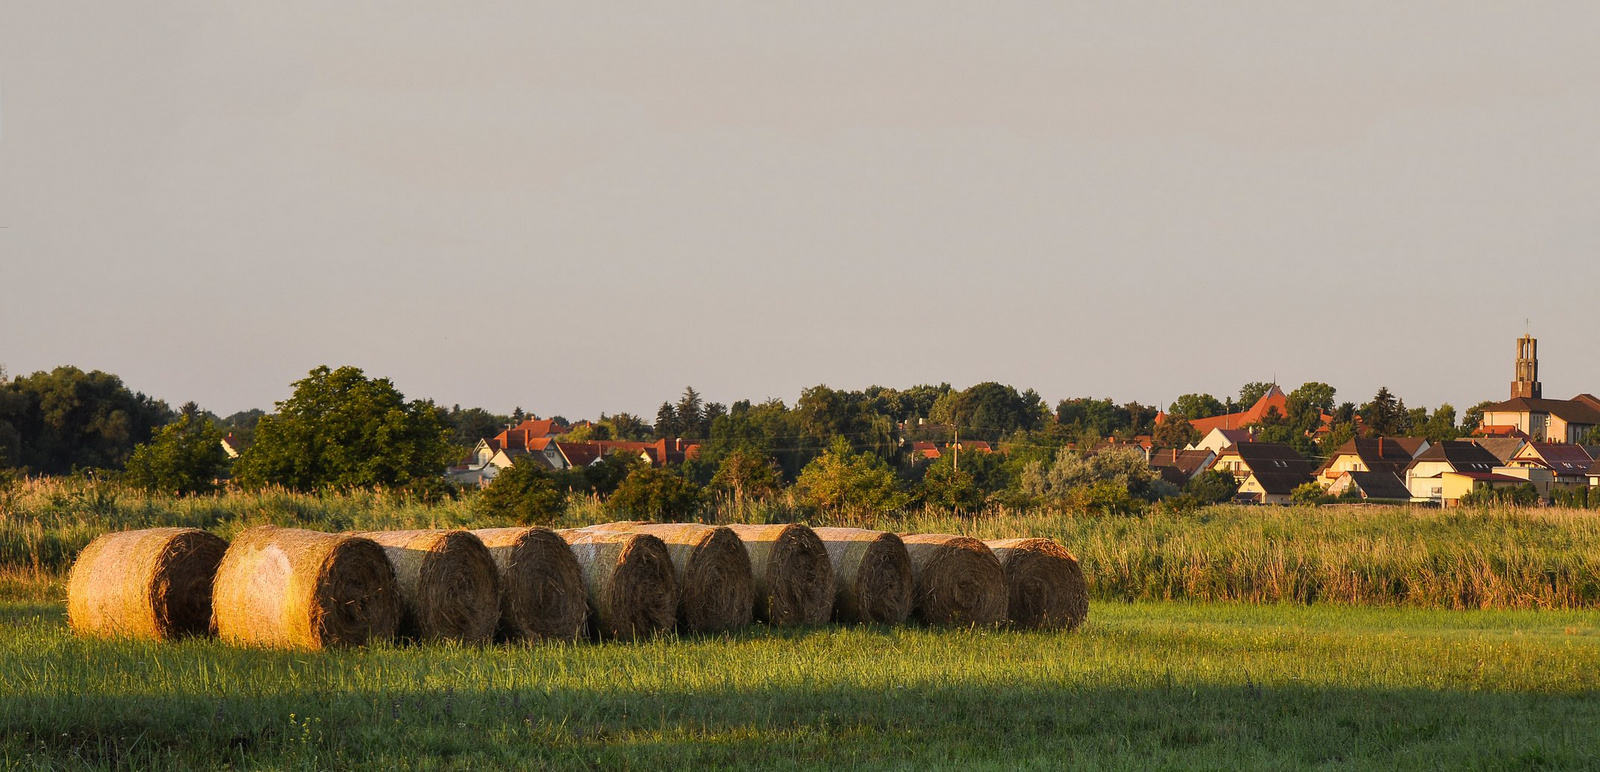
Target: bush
(841, 480)
(655, 494)
(184, 458)
(527, 491)
(1524, 495)
(1212, 486)
(1309, 493)
(946, 487)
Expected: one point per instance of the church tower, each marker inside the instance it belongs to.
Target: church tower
(1527, 383)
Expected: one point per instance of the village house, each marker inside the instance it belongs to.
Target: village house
(1218, 439)
(1371, 454)
(1568, 463)
(1384, 486)
(1451, 469)
(1530, 414)
(1180, 466)
(1268, 472)
(1503, 448)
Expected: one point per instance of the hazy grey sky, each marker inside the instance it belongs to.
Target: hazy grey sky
(574, 208)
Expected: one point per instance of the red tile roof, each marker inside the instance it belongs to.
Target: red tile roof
(1274, 398)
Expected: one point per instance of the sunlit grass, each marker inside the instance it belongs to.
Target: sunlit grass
(1402, 556)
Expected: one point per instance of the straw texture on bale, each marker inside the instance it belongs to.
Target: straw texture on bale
(541, 584)
(292, 588)
(1044, 583)
(872, 575)
(793, 577)
(716, 590)
(959, 580)
(449, 586)
(155, 584)
(628, 581)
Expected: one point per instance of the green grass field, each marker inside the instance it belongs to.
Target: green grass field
(1141, 686)
(1229, 638)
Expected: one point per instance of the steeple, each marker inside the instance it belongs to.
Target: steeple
(1527, 383)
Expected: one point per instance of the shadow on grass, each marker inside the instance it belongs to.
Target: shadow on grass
(960, 724)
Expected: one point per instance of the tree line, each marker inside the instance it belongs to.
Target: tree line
(834, 448)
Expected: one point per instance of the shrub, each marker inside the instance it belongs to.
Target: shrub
(184, 458)
(655, 494)
(841, 480)
(527, 491)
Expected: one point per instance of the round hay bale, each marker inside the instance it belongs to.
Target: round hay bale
(793, 577)
(959, 580)
(155, 584)
(628, 580)
(872, 575)
(1044, 584)
(449, 586)
(541, 584)
(716, 589)
(292, 588)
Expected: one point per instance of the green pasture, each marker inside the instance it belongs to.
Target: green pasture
(1141, 686)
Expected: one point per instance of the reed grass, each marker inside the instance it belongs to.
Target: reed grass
(1471, 558)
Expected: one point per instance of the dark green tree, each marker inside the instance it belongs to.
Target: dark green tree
(1212, 486)
(342, 430)
(1197, 406)
(655, 494)
(184, 458)
(1252, 392)
(604, 476)
(1385, 415)
(68, 419)
(528, 493)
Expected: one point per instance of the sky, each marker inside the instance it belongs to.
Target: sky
(584, 207)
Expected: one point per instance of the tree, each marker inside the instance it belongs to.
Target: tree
(68, 419)
(667, 425)
(1441, 425)
(655, 494)
(1252, 392)
(690, 414)
(1196, 406)
(949, 488)
(1473, 418)
(470, 425)
(527, 492)
(746, 474)
(842, 480)
(185, 457)
(1175, 432)
(1385, 415)
(341, 430)
(1212, 486)
(604, 476)
(1123, 468)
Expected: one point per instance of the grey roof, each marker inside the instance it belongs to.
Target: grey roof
(1503, 448)
(1461, 455)
(1280, 482)
(1381, 485)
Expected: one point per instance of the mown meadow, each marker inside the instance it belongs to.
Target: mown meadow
(1224, 638)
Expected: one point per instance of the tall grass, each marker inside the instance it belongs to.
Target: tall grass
(1502, 557)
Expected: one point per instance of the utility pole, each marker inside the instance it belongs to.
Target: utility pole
(958, 449)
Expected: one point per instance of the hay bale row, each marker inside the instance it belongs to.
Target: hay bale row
(285, 587)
